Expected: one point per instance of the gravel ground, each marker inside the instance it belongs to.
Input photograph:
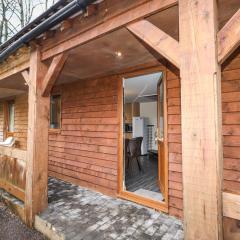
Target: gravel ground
(11, 227)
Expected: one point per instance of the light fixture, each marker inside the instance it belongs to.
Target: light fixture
(118, 54)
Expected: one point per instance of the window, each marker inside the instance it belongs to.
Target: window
(10, 124)
(55, 112)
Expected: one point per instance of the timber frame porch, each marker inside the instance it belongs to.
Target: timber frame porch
(200, 30)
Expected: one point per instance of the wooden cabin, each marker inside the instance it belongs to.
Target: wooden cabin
(77, 97)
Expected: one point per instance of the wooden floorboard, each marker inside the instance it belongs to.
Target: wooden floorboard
(145, 179)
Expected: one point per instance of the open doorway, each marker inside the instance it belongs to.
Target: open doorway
(144, 136)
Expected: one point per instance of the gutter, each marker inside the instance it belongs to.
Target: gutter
(64, 13)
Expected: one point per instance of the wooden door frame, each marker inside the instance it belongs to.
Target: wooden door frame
(122, 193)
(165, 133)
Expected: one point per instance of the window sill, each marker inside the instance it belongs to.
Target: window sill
(54, 131)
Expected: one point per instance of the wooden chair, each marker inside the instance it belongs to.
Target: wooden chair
(134, 150)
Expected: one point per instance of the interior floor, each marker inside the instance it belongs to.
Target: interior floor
(143, 182)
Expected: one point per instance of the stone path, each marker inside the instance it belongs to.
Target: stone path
(77, 213)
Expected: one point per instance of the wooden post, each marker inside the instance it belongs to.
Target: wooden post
(37, 143)
(201, 119)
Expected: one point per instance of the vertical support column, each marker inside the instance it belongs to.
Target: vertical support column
(201, 119)
(37, 142)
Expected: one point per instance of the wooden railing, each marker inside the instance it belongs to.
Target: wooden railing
(13, 171)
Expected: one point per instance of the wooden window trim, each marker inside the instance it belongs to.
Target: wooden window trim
(7, 133)
(55, 130)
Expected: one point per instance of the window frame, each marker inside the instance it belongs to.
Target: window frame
(7, 104)
(54, 129)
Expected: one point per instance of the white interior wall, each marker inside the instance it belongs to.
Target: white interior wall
(149, 111)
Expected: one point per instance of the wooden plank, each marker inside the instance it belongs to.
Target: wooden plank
(13, 152)
(160, 206)
(12, 189)
(120, 135)
(231, 205)
(201, 148)
(15, 64)
(53, 73)
(229, 37)
(37, 141)
(14, 70)
(25, 75)
(77, 181)
(157, 39)
(111, 24)
(231, 228)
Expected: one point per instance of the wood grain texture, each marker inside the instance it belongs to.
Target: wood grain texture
(117, 21)
(53, 73)
(231, 205)
(201, 120)
(37, 141)
(231, 228)
(230, 124)
(174, 142)
(229, 37)
(21, 121)
(86, 149)
(157, 39)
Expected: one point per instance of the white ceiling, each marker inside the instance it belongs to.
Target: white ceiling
(137, 87)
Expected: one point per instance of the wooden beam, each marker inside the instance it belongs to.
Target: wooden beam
(14, 70)
(157, 39)
(229, 37)
(53, 73)
(37, 141)
(111, 24)
(231, 228)
(12, 189)
(25, 75)
(231, 205)
(201, 120)
(15, 64)
(66, 24)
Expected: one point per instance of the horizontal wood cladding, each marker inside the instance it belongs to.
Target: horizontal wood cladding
(231, 123)
(21, 121)
(174, 142)
(85, 150)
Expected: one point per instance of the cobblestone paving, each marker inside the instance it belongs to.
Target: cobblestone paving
(79, 213)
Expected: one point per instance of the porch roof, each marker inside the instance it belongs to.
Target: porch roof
(15, 42)
(45, 15)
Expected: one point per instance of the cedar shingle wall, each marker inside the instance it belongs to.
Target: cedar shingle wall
(231, 123)
(174, 142)
(21, 120)
(85, 152)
